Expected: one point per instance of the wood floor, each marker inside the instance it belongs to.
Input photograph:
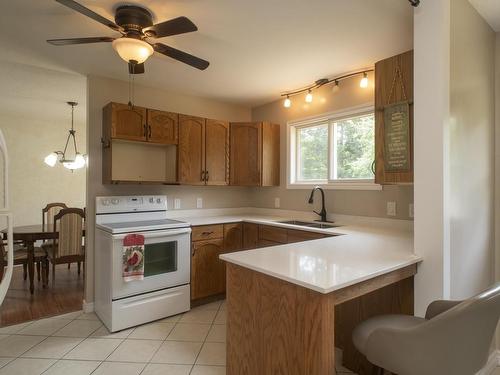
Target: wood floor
(65, 296)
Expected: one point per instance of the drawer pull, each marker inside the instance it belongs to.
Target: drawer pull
(207, 233)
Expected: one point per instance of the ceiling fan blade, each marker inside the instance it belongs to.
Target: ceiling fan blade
(66, 42)
(135, 68)
(89, 13)
(179, 25)
(184, 57)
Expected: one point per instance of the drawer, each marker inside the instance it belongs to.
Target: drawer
(302, 235)
(273, 234)
(207, 232)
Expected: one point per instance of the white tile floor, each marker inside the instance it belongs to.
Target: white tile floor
(78, 344)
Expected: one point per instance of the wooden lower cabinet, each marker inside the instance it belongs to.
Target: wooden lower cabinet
(250, 236)
(233, 237)
(208, 273)
(302, 235)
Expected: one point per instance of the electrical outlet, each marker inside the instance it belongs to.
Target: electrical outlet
(411, 212)
(276, 202)
(177, 203)
(199, 202)
(391, 208)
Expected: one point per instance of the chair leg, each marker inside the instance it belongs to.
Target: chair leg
(25, 271)
(53, 273)
(38, 270)
(69, 266)
(79, 267)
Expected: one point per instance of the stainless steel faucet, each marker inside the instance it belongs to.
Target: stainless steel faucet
(322, 213)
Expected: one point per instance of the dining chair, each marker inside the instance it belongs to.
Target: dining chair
(21, 258)
(48, 213)
(453, 338)
(69, 246)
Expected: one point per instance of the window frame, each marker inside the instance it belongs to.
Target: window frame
(293, 153)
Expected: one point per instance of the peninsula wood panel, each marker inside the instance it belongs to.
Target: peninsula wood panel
(246, 154)
(250, 236)
(163, 127)
(208, 276)
(127, 122)
(191, 150)
(217, 152)
(264, 312)
(233, 237)
(384, 77)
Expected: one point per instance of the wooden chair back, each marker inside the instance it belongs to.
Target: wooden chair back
(69, 222)
(50, 211)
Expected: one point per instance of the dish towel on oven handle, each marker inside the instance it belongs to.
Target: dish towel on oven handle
(133, 257)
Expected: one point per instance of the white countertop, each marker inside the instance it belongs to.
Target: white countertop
(366, 248)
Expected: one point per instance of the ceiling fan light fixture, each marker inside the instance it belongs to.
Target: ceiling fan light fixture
(131, 49)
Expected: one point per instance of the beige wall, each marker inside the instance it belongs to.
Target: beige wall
(353, 202)
(35, 119)
(497, 168)
(100, 92)
(472, 112)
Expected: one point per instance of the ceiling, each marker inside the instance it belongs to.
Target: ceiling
(490, 10)
(257, 49)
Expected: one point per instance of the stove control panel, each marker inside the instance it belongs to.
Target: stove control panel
(140, 203)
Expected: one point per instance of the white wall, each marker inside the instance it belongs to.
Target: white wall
(35, 119)
(472, 111)
(351, 202)
(100, 92)
(431, 225)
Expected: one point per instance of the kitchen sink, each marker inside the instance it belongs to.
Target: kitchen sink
(309, 224)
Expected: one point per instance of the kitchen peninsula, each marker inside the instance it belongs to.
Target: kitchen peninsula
(288, 306)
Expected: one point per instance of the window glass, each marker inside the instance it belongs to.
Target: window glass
(312, 153)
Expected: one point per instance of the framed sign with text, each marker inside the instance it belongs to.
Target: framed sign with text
(397, 137)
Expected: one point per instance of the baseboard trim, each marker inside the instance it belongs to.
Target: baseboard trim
(492, 364)
(87, 307)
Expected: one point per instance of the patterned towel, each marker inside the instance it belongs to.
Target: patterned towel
(133, 257)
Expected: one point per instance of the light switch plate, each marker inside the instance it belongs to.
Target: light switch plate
(276, 202)
(177, 203)
(199, 202)
(391, 208)
(411, 212)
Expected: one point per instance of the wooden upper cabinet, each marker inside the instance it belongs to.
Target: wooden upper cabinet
(233, 237)
(255, 154)
(163, 127)
(385, 78)
(216, 152)
(191, 150)
(127, 123)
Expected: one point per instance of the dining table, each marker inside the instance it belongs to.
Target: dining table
(29, 235)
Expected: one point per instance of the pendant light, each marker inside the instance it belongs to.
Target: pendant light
(78, 161)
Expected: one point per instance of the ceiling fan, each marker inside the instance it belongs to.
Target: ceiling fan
(136, 26)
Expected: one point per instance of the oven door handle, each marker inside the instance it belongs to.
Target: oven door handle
(156, 234)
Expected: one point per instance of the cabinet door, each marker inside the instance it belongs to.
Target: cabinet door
(217, 152)
(128, 123)
(250, 236)
(274, 234)
(208, 273)
(163, 127)
(233, 237)
(302, 235)
(270, 154)
(191, 150)
(246, 154)
(384, 78)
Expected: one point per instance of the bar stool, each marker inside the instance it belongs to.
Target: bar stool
(454, 338)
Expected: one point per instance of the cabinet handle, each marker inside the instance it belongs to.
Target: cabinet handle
(373, 167)
(145, 131)
(203, 175)
(206, 176)
(149, 127)
(207, 233)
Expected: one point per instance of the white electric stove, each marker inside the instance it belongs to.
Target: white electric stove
(165, 289)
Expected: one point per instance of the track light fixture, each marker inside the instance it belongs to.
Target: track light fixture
(414, 3)
(287, 103)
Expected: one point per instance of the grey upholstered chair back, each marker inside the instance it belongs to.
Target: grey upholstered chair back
(456, 341)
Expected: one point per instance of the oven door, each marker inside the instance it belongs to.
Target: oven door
(166, 262)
